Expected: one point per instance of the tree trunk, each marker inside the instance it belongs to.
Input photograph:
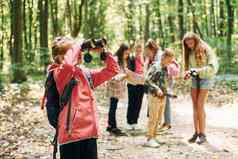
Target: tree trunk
(222, 18)
(206, 17)
(160, 24)
(196, 28)
(30, 22)
(140, 21)
(213, 18)
(43, 19)
(16, 52)
(130, 32)
(147, 23)
(2, 38)
(181, 19)
(171, 22)
(54, 17)
(25, 49)
(69, 15)
(230, 25)
(77, 19)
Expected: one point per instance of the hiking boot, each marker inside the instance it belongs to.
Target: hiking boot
(116, 131)
(202, 139)
(152, 143)
(193, 138)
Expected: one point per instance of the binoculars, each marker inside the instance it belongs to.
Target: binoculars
(90, 44)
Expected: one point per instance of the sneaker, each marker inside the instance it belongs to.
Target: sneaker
(130, 127)
(193, 138)
(116, 131)
(135, 127)
(202, 139)
(165, 127)
(152, 143)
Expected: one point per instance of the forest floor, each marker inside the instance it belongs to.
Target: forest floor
(25, 133)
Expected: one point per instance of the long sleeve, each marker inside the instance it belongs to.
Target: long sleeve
(106, 73)
(119, 76)
(209, 70)
(72, 55)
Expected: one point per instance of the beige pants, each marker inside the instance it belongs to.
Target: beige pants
(156, 110)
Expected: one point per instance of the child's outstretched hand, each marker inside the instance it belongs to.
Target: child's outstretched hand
(121, 77)
(187, 75)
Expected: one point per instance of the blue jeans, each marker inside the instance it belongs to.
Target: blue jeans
(204, 83)
(167, 112)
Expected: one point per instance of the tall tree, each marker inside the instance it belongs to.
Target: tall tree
(196, 27)
(213, 18)
(171, 21)
(77, 17)
(130, 29)
(2, 36)
(230, 25)
(16, 52)
(94, 23)
(221, 18)
(147, 22)
(206, 17)
(157, 6)
(43, 19)
(141, 24)
(54, 17)
(181, 18)
(30, 54)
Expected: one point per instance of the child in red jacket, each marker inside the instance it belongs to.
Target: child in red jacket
(77, 134)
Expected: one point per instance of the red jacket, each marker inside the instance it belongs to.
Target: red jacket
(84, 120)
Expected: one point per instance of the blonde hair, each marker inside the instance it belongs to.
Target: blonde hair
(60, 46)
(168, 52)
(200, 49)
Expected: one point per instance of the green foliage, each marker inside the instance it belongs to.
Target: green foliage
(121, 21)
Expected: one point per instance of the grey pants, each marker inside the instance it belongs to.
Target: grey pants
(167, 112)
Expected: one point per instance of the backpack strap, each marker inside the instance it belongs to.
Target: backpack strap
(47, 84)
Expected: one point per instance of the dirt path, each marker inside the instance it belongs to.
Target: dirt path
(27, 136)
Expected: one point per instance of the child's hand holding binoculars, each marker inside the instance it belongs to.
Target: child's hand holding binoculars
(94, 45)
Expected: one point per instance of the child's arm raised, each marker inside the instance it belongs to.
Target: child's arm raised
(106, 73)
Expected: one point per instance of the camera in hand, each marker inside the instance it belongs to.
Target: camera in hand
(193, 73)
(90, 44)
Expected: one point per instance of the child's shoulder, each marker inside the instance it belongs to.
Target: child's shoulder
(156, 65)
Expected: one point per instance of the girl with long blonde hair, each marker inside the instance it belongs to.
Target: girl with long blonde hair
(200, 63)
